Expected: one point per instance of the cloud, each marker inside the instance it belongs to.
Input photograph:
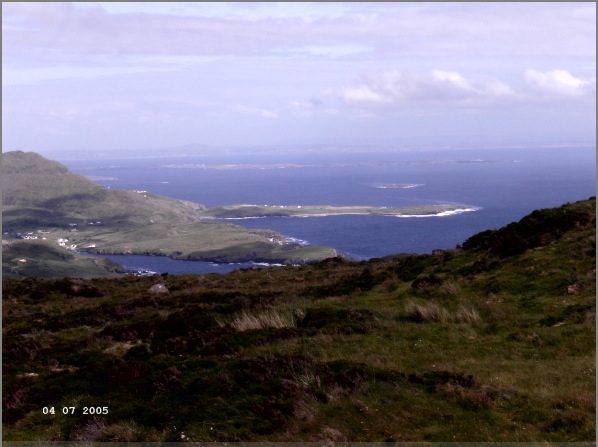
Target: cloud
(264, 113)
(331, 51)
(393, 87)
(315, 107)
(559, 83)
(453, 29)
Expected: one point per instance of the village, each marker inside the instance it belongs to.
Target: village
(45, 234)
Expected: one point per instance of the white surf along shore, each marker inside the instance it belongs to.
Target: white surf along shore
(295, 211)
(441, 214)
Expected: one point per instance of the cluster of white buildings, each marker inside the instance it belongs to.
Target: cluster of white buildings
(64, 243)
(29, 236)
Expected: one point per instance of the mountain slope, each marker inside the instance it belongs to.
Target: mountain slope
(39, 189)
(474, 344)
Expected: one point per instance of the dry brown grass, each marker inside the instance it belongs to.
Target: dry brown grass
(308, 379)
(467, 314)
(450, 287)
(473, 398)
(261, 320)
(433, 312)
(427, 312)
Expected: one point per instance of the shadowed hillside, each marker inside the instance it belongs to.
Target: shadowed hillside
(489, 342)
(43, 192)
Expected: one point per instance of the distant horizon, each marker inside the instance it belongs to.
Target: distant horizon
(192, 150)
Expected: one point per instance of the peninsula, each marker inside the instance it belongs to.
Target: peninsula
(254, 211)
(397, 185)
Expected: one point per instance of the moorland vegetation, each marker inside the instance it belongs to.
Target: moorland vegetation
(491, 341)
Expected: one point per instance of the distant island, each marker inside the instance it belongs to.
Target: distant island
(397, 185)
(99, 177)
(234, 166)
(254, 211)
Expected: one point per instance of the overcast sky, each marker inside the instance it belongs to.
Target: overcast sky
(91, 77)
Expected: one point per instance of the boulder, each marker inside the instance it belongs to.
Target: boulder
(158, 288)
(80, 287)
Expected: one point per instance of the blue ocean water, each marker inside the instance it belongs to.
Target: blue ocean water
(503, 184)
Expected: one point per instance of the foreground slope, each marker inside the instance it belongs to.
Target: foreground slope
(42, 197)
(488, 342)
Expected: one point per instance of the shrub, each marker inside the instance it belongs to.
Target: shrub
(92, 430)
(336, 321)
(425, 282)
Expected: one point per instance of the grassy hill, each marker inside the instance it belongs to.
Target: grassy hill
(40, 194)
(44, 259)
(493, 341)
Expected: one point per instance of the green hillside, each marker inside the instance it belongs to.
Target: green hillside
(44, 259)
(42, 195)
(491, 342)
(41, 192)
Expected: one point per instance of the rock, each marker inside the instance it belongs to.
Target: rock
(79, 287)
(425, 282)
(331, 435)
(158, 288)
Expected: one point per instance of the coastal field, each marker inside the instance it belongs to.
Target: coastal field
(249, 211)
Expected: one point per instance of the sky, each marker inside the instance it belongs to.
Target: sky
(97, 77)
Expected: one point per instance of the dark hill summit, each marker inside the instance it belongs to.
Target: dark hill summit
(539, 228)
(19, 162)
(489, 342)
(35, 189)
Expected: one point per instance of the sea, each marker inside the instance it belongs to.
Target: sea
(498, 185)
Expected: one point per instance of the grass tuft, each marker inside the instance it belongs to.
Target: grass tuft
(429, 312)
(270, 319)
(450, 287)
(467, 314)
(433, 312)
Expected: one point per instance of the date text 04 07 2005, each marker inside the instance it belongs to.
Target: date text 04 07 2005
(71, 410)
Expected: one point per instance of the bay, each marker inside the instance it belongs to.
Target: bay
(150, 265)
(502, 184)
